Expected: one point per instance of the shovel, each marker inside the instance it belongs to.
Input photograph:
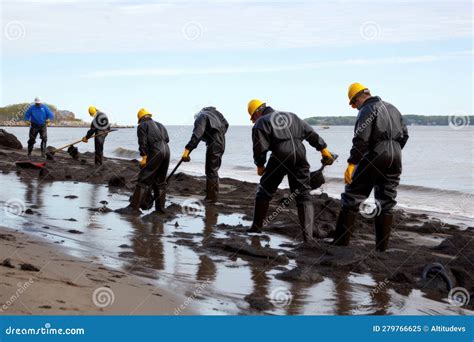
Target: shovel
(73, 151)
(317, 177)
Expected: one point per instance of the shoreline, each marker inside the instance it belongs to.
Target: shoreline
(41, 280)
(417, 241)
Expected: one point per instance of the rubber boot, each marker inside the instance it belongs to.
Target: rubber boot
(344, 227)
(43, 148)
(135, 201)
(259, 215)
(160, 198)
(30, 149)
(306, 217)
(212, 190)
(383, 226)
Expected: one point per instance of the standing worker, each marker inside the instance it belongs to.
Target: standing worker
(100, 123)
(375, 162)
(38, 116)
(283, 134)
(153, 146)
(211, 127)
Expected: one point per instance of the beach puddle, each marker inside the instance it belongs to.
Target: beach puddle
(167, 251)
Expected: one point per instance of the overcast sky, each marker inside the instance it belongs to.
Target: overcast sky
(175, 57)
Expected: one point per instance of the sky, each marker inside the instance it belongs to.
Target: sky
(176, 57)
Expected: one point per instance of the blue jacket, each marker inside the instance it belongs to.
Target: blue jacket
(38, 114)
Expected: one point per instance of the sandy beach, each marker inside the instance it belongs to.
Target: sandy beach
(64, 284)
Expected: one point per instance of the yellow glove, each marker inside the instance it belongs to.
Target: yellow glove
(260, 170)
(85, 140)
(185, 157)
(348, 173)
(28, 123)
(143, 161)
(48, 122)
(328, 158)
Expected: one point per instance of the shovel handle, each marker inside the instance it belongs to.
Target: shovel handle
(174, 170)
(78, 141)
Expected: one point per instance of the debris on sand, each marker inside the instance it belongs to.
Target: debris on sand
(29, 267)
(117, 182)
(301, 274)
(9, 140)
(258, 302)
(7, 263)
(71, 196)
(7, 237)
(29, 211)
(75, 231)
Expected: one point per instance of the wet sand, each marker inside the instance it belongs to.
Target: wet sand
(211, 240)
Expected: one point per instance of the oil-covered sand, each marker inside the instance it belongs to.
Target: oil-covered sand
(203, 254)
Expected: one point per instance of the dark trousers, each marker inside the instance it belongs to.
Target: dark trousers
(155, 170)
(298, 178)
(214, 153)
(36, 129)
(99, 149)
(380, 173)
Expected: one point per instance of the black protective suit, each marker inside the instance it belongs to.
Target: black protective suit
(153, 142)
(210, 126)
(99, 124)
(36, 129)
(379, 137)
(283, 134)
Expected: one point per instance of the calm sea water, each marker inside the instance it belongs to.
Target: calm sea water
(438, 162)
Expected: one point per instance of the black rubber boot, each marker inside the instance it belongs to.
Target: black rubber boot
(135, 201)
(306, 217)
(160, 199)
(212, 190)
(383, 226)
(344, 227)
(30, 149)
(259, 214)
(43, 148)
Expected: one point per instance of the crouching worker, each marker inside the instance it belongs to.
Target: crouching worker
(153, 146)
(100, 124)
(209, 126)
(375, 162)
(38, 116)
(283, 134)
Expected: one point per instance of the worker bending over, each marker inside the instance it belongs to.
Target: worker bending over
(99, 125)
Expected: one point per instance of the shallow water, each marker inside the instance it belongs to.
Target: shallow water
(215, 284)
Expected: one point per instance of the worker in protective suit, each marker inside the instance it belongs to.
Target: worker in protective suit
(153, 146)
(38, 116)
(283, 134)
(210, 126)
(100, 124)
(375, 162)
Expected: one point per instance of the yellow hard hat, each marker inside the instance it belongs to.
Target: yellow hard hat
(142, 112)
(92, 110)
(354, 89)
(253, 106)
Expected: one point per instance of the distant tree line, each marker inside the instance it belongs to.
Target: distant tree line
(410, 119)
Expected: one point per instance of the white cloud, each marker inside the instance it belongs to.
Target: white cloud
(236, 69)
(120, 27)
